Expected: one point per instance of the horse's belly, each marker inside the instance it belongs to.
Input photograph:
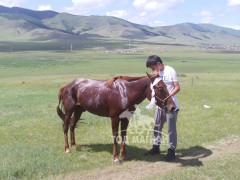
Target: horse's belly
(97, 109)
(99, 112)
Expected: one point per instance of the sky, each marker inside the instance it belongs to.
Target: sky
(148, 12)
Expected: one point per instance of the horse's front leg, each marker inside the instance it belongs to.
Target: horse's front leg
(115, 125)
(124, 125)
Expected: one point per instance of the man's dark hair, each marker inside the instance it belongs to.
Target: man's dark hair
(153, 60)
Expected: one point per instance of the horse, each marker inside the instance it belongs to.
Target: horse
(108, 98)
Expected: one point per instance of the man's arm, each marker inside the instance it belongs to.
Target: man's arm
(176, 88)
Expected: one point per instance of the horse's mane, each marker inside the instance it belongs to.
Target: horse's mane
(110, 81)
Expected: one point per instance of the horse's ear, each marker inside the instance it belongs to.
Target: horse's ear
(148, 75)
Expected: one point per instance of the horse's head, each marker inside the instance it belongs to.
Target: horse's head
(161, 93)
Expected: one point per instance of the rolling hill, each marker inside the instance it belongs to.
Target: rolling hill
(19, 24)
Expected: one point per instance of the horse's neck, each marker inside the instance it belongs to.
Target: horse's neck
(140, 84)
(138, 89)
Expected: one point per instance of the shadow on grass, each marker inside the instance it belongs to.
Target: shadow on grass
(186, 157)
(192, 156)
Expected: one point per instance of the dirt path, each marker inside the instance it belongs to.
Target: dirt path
(142, 169)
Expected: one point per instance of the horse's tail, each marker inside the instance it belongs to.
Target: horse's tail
(60, 103)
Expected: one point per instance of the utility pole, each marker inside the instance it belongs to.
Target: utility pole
(71, 47)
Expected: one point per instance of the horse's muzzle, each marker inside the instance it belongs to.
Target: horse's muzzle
(170, 108)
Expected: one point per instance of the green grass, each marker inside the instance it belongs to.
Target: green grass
(31, 140)
(223, 168)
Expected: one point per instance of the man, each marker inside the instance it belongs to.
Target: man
(169, 76)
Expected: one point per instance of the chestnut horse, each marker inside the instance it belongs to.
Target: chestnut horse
(110, 99)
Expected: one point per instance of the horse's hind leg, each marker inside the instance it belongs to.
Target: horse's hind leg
(77, 114)
(69, 107)
(65, 130)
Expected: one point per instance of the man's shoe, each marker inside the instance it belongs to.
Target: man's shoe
(170, 155)
(155, 150)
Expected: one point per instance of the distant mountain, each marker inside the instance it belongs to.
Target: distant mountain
(24, 24)
(189, 33)
(35, 14)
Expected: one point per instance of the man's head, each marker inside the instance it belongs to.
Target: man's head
(155, 63)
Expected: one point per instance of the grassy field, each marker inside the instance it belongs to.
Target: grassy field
(32, 145)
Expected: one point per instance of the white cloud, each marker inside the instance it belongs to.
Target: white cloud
(143, 14)
(91, 3)
(158, 6)
(207, 19)
(44, 8)
(147, 11)
(205, 15)
(117, 13)
(86, 6)
(139, 3)
(10, 3)
(233, 2)
(152, 5)
(157, 23)
(221, 15)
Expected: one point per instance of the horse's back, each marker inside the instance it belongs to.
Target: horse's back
(95, 96)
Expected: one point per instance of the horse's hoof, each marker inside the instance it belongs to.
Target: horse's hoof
(67, 151)
(124, 157)
(74, 146)
(117, 162)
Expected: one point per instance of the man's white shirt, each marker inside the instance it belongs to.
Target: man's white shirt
(169, 76)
